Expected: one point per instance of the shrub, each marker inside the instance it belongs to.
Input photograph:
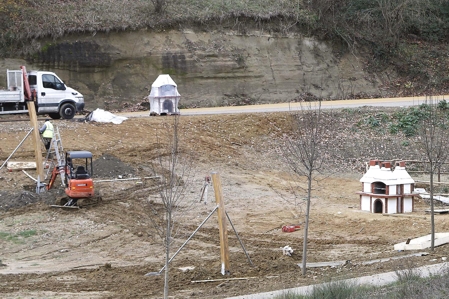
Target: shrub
(334, 290)
(372, 121)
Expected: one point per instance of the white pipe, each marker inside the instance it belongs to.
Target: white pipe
(130, 179)
(29, 175)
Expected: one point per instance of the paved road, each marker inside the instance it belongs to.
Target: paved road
(384, 102)
(374, 280)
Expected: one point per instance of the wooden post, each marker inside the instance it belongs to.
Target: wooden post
(223, 231)
(33, 119)
(36, 140)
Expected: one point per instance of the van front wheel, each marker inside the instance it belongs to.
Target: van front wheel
(67, 111)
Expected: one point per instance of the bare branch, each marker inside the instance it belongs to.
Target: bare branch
(175, 171)
(303, 153)
(433, 132)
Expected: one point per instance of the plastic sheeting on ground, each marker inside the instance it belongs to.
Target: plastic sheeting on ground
(99, 115)
(425, 195)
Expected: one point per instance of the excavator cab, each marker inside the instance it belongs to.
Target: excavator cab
(76, 172)
(79, 172)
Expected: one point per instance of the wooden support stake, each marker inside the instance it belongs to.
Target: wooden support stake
(30, 98)
(224, 247)
(36, 140)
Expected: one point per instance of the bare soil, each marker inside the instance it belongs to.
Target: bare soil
(105, 250)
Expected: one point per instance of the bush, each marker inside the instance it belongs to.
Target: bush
(334, 290)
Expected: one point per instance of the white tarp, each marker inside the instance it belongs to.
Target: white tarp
(99, 115)
(423, 193)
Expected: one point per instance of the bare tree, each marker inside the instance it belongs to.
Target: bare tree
(433, 134)
(382, 22)
(175, 170)
(303, 153)
(159, 5)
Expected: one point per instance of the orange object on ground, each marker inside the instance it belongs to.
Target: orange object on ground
(290, 228)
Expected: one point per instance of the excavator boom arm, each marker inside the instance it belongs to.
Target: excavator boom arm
(54, 174)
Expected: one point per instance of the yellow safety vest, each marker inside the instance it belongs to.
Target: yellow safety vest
(48, 133)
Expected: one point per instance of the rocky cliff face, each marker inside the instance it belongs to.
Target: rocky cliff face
(210, 69)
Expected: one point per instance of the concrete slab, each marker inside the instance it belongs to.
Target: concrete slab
(423, 242)
(325, 264)
(14, 166)
(334, 264)
(394, 258)
(440, 211)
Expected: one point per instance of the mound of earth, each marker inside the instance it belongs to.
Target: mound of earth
(15, 199)
(109, 166)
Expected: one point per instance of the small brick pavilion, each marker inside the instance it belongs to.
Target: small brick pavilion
(386, 191)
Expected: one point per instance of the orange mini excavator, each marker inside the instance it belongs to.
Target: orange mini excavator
(76, 175)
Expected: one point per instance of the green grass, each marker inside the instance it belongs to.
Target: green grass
(27, 233)
(19, 237)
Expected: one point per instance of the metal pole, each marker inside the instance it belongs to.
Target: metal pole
(182, 246)
(16, 148)
(241, 243)
(129, 179)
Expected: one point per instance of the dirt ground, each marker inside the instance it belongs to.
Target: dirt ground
(105, 250)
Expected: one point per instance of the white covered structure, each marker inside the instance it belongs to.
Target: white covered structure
(386, 191)
(164, 96)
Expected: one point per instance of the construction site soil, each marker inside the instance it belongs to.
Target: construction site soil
(105, 250)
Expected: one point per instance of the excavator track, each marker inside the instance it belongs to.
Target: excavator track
(65, 203)
(70, 203)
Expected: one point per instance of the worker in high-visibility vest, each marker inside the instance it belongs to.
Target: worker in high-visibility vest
(47, 133)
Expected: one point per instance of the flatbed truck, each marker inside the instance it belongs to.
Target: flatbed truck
(48, 92)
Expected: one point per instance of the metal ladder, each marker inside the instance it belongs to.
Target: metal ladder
(55, 151)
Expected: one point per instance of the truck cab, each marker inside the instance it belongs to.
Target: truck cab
(53, 96)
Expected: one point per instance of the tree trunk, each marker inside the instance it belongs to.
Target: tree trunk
(167, 255)
(432, 216)
(306, 226)
(158, 5)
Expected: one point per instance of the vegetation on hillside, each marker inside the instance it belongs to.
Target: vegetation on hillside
(409, 35)
(387, 134)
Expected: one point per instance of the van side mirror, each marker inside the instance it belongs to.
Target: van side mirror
(60, 86)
